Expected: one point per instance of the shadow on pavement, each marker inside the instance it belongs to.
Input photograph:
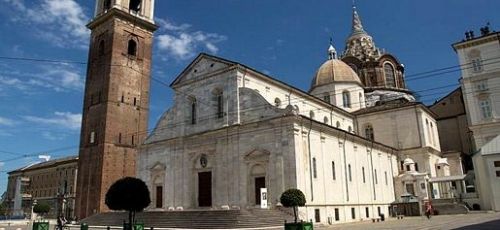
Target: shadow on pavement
(486, 225)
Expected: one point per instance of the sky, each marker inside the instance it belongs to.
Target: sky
(41, 102)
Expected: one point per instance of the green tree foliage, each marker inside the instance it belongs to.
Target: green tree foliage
(293, 198)
(129, 194)
(3, 209)
(41, 208)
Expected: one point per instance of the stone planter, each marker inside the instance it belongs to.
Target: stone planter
(299, 226)
(138, 226)
(41, 225)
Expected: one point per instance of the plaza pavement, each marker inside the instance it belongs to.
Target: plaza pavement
(472, 221)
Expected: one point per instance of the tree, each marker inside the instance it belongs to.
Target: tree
(3, 209)
(41, 208)
(129, 194)
(293, 198)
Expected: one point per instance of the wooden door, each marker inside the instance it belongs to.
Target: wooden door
(260, 182)
(159, 196)
(205, 189)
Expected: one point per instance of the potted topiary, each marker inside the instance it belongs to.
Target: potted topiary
(294, 198)
(129, 194)
(41, 208)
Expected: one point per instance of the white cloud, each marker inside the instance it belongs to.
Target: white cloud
(66, 120)
(53, 136)
(180, 43)
(61, 78)
(62, 21)
(6, 121)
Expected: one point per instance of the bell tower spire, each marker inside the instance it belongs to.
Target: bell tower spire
(116, 99)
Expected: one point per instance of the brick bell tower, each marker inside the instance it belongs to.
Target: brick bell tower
(116, 100)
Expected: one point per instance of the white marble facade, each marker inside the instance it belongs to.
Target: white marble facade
(269, 135)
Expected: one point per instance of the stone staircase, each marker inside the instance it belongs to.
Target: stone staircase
(449, 207)
(196, 219)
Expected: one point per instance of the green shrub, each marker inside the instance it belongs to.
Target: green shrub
(293, 198)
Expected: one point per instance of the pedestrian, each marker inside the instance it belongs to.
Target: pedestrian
(60, 222)
(428, 210)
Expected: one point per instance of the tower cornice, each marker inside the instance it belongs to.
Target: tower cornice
(123, 15)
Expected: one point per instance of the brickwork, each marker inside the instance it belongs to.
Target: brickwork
(116, 104)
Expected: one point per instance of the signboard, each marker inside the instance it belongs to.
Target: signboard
(263, 198)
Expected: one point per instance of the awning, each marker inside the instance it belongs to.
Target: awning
(447, 178)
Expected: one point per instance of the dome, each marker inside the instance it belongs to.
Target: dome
(334, 70)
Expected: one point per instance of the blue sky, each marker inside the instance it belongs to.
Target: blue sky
(42, 102)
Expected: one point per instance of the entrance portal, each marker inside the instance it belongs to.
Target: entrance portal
(205, 189)
(159, 196)
(260, 182)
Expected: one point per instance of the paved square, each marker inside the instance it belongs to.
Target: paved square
(465, 221)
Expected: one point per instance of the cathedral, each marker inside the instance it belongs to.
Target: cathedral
(356, 143)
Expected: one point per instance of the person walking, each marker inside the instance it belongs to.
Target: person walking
(428, 210)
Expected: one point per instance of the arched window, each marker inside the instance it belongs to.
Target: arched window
(349, 129)
(132, 47)
(325, 120)
(277, 102)
(390, 80)
(353, 67)
(338, 124)
(193, 111)
(311, 114)
(361, 101)
(134, 5)
(106, 5)
(101, 48)
(369, 132)
(219, 96)
(346, 99)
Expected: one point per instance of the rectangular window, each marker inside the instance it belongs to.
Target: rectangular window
(317, 217)
(402, 163)
(334, 176)
(363, 171)
(315, 172)
(481, 86)
(353, 213)
(416, 166)
(477, 65)
(375, 175)
(133, 140)
(337, 215)
(135, 101)
(367, 210)
(120, 138)
(485, 108)
(220, 105)
(326, 98)
(350, 174)
(496, 163)
(498, 173)
(385, 175)
(92, 137)
(378, 210)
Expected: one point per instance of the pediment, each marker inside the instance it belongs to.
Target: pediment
(257, 155)
(158, 167)
(201, 66)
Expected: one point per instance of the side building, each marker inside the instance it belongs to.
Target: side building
(53, 182)
(480, 81)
